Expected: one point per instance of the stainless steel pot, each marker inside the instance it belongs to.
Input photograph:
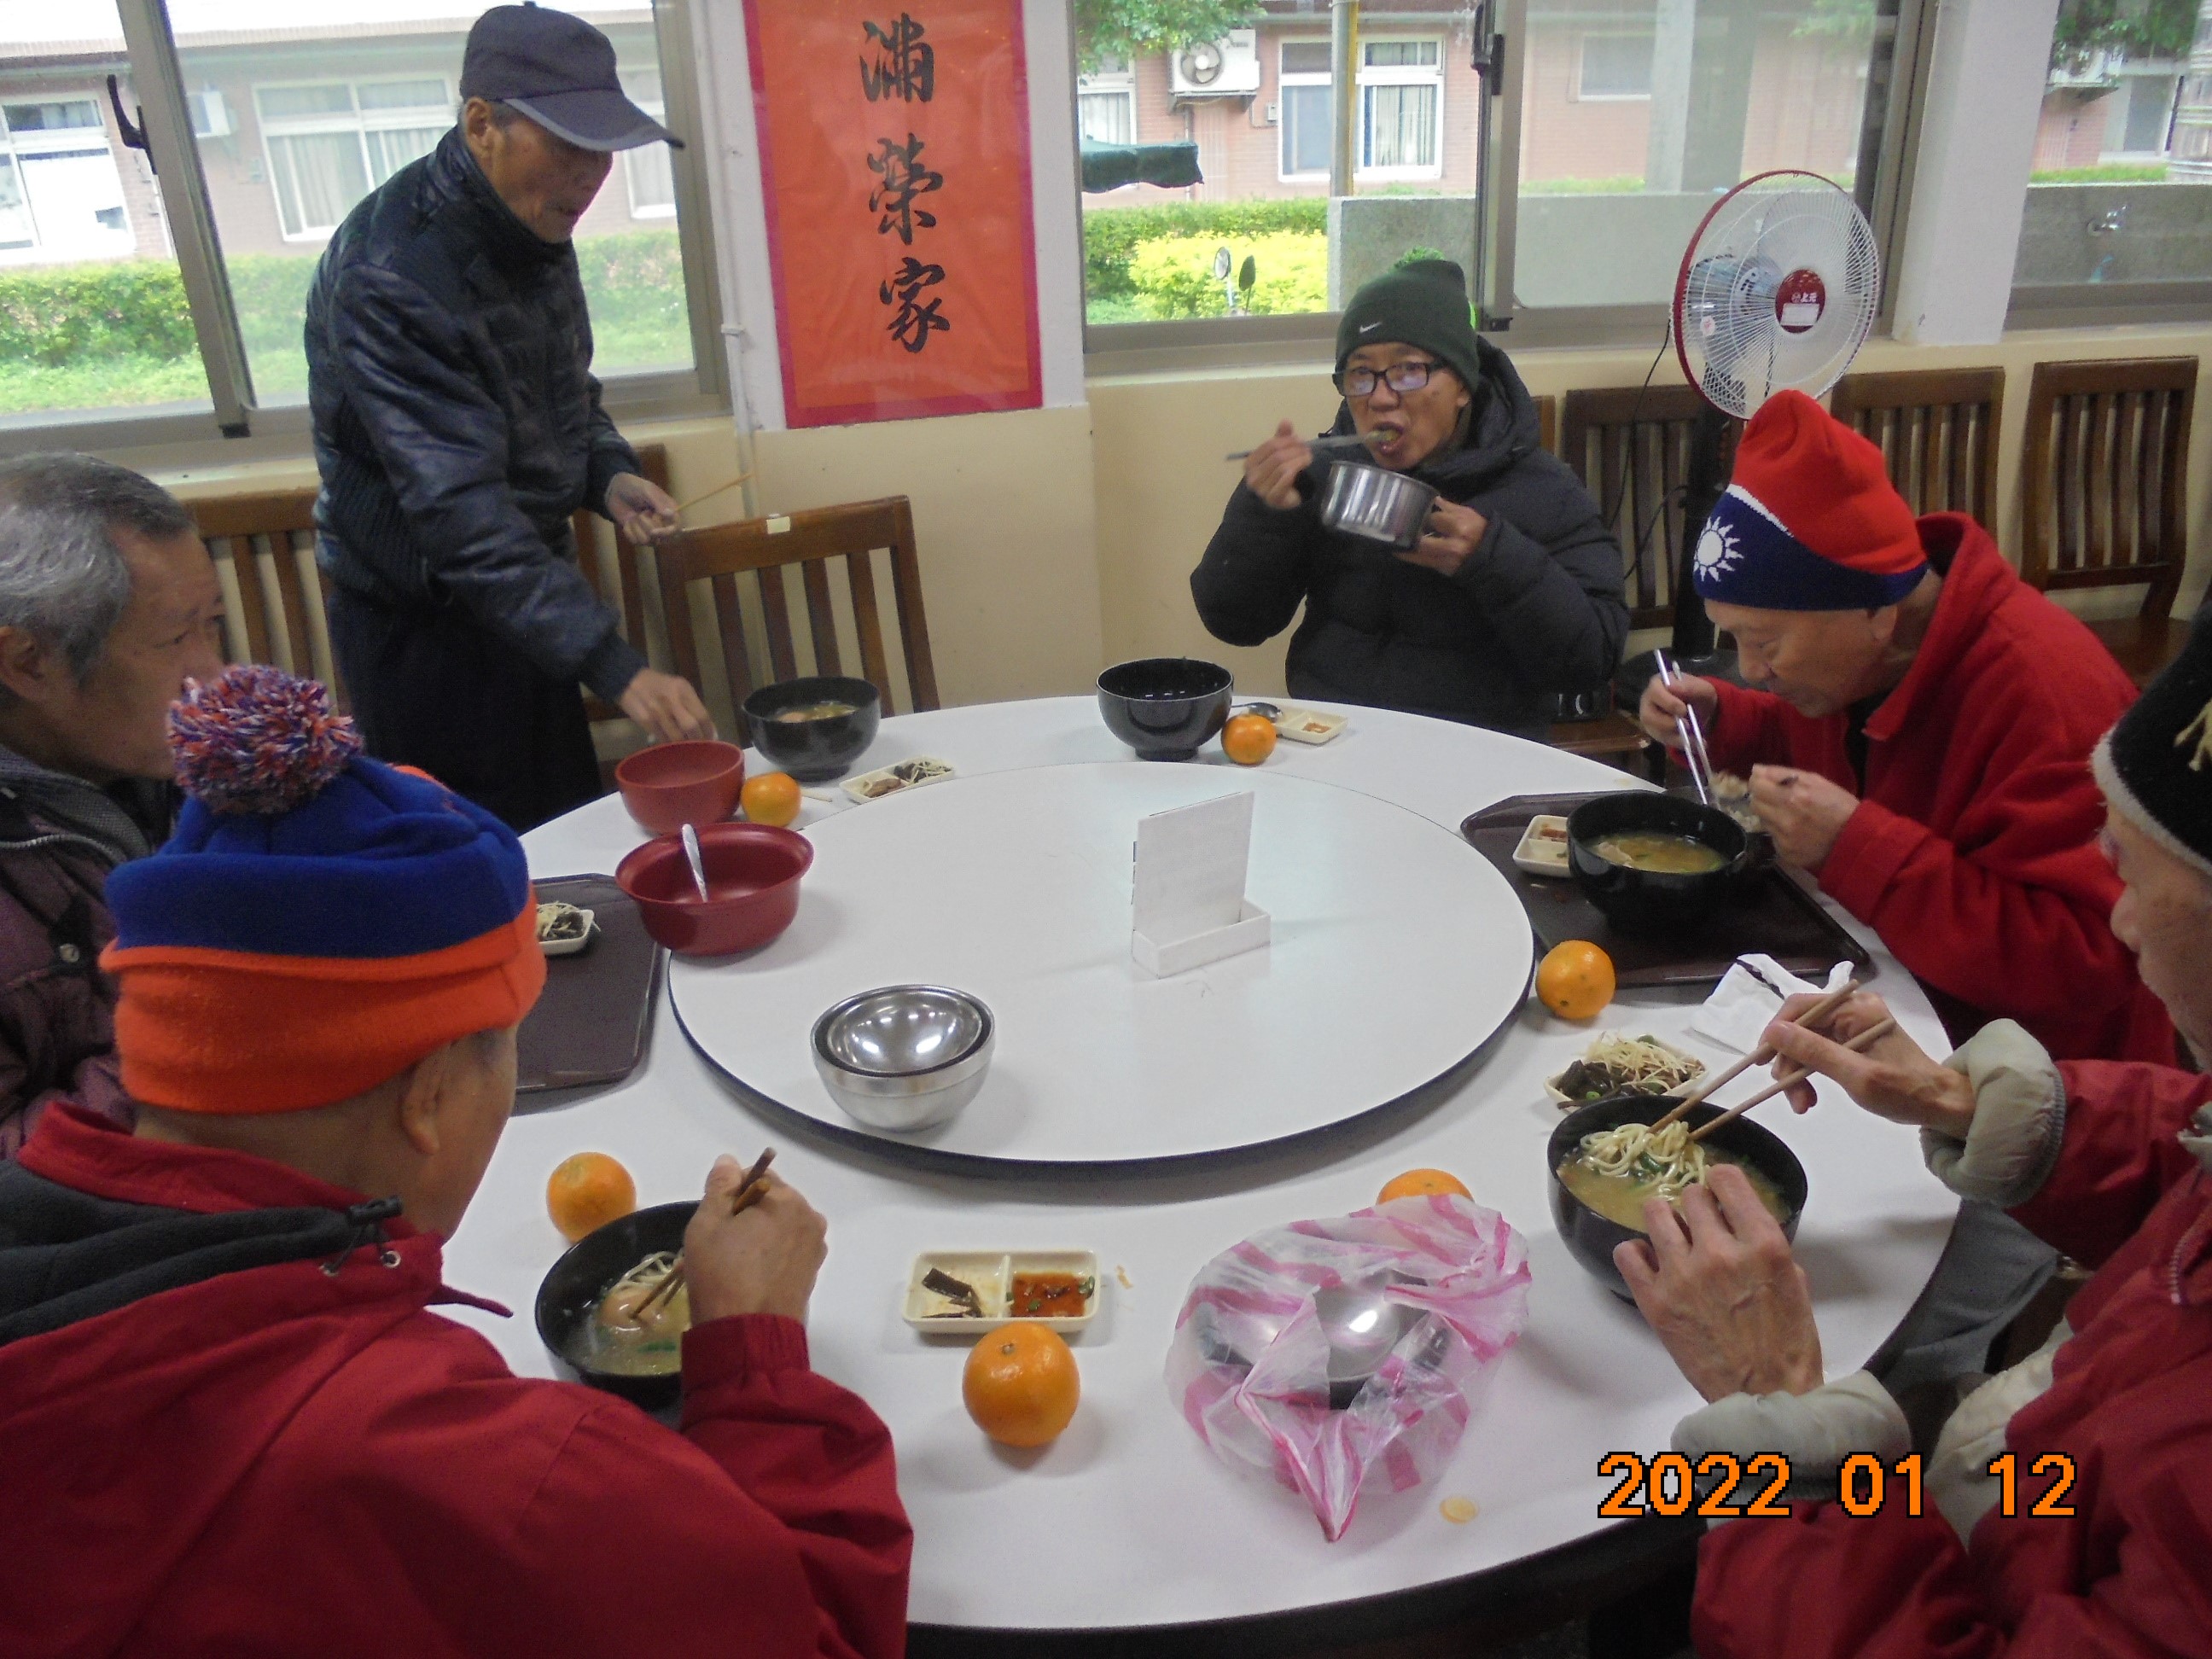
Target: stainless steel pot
(1376, 503)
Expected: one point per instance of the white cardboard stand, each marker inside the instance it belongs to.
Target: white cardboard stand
(1189, 904)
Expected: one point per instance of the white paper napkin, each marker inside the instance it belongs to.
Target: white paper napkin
(1742, 1005)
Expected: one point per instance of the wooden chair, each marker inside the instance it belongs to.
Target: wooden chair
(1631, 448)
(275, 621)
(2104, 477)
(766, 548)
(1937, 429)
(1548, 423)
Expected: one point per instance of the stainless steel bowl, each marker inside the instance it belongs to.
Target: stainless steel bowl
(1377, 503)
(904, 1057)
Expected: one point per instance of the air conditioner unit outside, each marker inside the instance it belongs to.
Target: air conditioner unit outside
(211, 113)
(1227, 68)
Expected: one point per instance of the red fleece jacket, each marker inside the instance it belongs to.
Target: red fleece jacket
(281, 1460)
(1973, 852)
(2124, 1574)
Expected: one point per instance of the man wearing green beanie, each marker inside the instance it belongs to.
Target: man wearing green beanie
(1513, 593)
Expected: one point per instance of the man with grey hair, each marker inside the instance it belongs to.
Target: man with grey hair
(108, 604)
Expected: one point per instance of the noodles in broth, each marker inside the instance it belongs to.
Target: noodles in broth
(613, 1340)
(1614, 1171)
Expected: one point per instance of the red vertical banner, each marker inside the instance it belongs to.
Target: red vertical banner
(895, 163)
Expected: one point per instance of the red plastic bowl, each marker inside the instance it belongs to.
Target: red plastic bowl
(752, 872)
(670, 785)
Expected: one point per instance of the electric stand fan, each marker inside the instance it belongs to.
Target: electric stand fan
(1777, 288)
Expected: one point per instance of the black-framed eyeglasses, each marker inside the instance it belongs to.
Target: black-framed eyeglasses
(1410, 375)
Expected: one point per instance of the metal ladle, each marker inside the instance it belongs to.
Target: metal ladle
(698, 865)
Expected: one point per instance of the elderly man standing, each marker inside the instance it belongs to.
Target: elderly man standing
(2065, 1507)
(1917, 735)
(108, 605)
(458, 430)
(227, 1395)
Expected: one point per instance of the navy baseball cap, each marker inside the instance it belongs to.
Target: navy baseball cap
(559, 71)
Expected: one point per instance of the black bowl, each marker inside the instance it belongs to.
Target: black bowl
(1644, 900)
(1591, 1238)
(1165, 708)
(587, 1272)
(812, 751)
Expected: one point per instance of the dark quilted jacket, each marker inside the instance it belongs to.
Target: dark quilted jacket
(1536, 608)
(458, 426)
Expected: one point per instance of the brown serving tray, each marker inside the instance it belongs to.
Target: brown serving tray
(590, 1026)
(1771, 912)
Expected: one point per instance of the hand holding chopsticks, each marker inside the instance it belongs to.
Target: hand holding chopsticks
(1858, 1045)
(749, 1192)
(1761, 1055)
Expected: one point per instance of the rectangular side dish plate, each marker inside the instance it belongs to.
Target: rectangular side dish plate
(893, 780)
(1307, 725)
(1770, 913)
(993, 1273)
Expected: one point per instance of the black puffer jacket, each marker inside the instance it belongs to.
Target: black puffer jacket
(1536, 608)
(458, 426)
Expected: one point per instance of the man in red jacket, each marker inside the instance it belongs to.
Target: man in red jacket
(1919, 736)
(230, 1422)
(2066, 1508)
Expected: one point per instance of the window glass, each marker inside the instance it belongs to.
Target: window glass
(92, 309)
(2123, 150)
(1628, 133)
(1257, 105)
(297, 124)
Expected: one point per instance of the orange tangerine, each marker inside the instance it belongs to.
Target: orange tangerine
(771, 798)
(586, 1191)
(1248, 739)
(1422, 1183)
(1021, 1385)
(1575, 980)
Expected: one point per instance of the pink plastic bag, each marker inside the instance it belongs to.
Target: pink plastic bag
(1249, 1365)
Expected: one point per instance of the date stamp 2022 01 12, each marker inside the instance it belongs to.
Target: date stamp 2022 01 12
(1731, 1486)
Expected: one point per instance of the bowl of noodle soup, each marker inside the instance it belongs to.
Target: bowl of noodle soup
(1653, 862)
(603, 1272)
(1601, 1170)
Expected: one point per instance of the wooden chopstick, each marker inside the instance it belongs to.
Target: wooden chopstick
(1762, 1056)
(748, 1194)
(1858, 1045)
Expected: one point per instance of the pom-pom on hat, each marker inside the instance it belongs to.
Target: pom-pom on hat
(319, 922)
(1809, 521)
(2155, 765)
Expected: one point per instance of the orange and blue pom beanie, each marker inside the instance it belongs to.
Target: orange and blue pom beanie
(319, 922)
(1809, 521)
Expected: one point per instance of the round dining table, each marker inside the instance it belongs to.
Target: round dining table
(1128, 1521)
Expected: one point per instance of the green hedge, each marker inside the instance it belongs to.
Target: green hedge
(59, 315)
(1173, 274)
(1112, 235)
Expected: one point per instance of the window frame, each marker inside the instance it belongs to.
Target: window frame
(1370, 76)
(355, 120)
(1582, 37)
(37, 143)
(231, 421)
(1119, 83)
(1143, 348)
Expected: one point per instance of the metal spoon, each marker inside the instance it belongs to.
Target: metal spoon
(698, 865)
(1363, 1326)
(1321, 446)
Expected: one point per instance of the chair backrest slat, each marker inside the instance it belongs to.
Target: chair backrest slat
(2103, 474)
(861, 577)
(1631, 448)
(814, 574)
(247, 567)
(1937, 429)
(811, 540)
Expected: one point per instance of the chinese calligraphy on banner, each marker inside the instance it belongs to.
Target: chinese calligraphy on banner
(895, 162)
